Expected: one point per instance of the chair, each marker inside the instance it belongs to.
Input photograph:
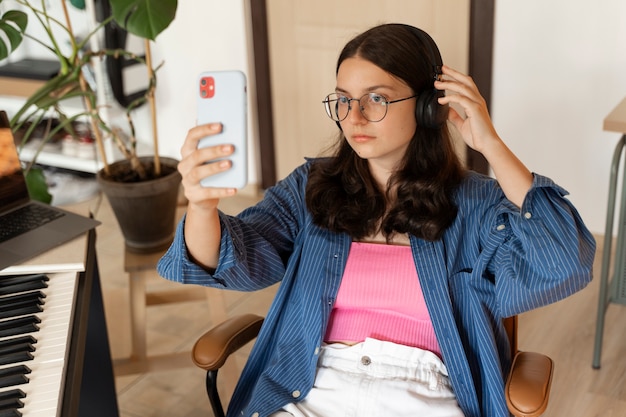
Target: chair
(527, 387)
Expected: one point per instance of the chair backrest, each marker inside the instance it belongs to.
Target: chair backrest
(510, 325)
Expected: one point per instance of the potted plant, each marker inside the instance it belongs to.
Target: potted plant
(130, 182)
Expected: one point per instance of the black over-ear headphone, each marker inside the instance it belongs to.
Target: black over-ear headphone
(428, 112)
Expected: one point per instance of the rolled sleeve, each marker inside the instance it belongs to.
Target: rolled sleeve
(233, 270)
(546, 253)
(177, 266)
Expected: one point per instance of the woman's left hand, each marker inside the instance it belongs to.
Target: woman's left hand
(479, 134)
(476, 128)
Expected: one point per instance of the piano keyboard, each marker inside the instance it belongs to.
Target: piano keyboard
(35, 321)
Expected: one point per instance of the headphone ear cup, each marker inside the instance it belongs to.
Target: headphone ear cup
(428, 112)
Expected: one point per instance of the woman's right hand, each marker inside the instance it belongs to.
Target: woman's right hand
(202, 224)
(198, 163)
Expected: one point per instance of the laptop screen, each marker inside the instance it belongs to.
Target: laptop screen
(13, 188)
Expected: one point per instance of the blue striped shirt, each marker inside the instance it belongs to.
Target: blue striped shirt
(494, 261)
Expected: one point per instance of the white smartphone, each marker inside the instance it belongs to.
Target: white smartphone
(222, 98)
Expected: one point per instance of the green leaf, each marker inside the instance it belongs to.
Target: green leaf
(4, 51)
(13, 24)
(14, 35)
(79, 4)
(19, 18)
(37, 185)
(144, 18)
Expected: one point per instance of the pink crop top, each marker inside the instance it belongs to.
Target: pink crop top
(380, 297)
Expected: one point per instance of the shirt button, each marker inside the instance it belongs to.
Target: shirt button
(317, 350)
(500, 227)
(528, 215)
(255, 414)
(295, 394)
(365, 360)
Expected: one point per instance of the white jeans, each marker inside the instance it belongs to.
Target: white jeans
(376, 378)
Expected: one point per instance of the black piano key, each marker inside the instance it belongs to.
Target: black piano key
(20, 283)
(6, 343)
(17, 279)
(23, 286)
(11, 301)
(15, 370)
(21, 311)
(14, 375)
(16, 357)
(21, 325)
(16, 347)
(11, 380)
(11, 394)
(10, 404)
(10, 413)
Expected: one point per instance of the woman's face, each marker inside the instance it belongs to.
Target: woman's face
(382, 143)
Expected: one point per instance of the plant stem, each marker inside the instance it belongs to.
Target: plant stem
(83, 86)
(151, 100)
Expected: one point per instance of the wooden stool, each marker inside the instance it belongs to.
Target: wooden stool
(140, 268)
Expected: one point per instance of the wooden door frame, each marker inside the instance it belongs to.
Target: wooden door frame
(480, 68)
(263, 82)
(481, 63)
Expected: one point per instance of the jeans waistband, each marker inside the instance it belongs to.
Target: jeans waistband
(382, 359)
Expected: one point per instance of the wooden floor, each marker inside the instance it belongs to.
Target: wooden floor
(565, 331)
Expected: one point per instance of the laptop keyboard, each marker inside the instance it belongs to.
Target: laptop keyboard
(25, 219)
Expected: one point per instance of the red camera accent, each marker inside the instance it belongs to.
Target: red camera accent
(207, 87)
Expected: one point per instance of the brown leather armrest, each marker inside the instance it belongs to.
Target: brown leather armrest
(528, 385)
(215, 346)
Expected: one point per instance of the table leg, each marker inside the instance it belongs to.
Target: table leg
(138, 315)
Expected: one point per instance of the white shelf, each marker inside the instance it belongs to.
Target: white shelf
(60, 160)
(11, 104)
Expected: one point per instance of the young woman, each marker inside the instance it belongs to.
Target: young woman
(396, 264)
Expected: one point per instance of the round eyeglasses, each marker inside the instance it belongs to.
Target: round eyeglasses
(372, 106)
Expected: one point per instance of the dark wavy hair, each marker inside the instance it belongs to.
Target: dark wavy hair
(341, 193)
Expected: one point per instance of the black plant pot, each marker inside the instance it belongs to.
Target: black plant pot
(145, 210)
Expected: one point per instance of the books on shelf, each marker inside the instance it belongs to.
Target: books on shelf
(22, 78)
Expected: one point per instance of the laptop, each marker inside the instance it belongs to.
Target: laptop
(47, 226)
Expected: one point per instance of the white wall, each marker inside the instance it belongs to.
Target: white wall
(559, 69)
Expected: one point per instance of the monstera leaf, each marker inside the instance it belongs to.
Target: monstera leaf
(37, 185)
(12, 24)
(144, 18)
